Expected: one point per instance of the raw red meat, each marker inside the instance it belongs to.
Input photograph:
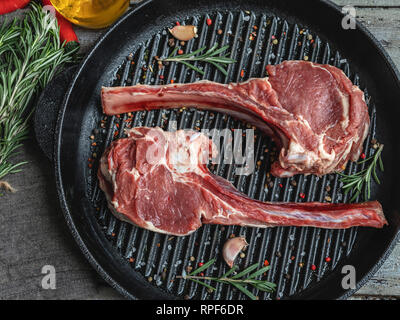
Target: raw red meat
(314, 113)
(159, 180)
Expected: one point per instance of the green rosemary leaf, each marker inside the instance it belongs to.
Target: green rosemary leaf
(30, 55)
(211, 50)
(203, 267)
(189, 65)
(361, 181)
(229, 272)
(246, 271)
(210, 56)
(204, 284)
(376, 177)
(220, 68)
(381, 164)
(244, 290)
(238, 281)
(259, 272)
(266, 287)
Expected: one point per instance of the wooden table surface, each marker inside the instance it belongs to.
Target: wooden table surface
(33, 232)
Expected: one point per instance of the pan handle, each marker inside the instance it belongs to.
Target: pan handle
(47, 108)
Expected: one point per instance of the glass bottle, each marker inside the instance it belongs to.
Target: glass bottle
(92, 14)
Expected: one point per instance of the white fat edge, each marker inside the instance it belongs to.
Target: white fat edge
(346, 107)
(323, 154)
(150, 226)
(231, 85)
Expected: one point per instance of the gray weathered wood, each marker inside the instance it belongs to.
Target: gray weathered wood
(368, 3)
(33, 232)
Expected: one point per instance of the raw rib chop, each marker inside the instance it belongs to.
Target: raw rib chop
(315, 115)
(159, 181)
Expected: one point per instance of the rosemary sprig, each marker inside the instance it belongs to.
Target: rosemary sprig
(210, 56)
(362, 180)
(30, 55)
(239, 280)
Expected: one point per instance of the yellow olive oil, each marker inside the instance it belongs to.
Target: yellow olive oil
(92, 14)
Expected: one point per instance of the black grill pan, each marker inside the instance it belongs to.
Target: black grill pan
(126, 256)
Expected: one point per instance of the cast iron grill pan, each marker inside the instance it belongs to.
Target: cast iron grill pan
(129, 256)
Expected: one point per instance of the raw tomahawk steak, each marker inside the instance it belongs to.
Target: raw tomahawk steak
(314, 113)
(159, 181)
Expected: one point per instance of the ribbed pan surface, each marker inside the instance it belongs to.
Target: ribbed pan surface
(290, 251)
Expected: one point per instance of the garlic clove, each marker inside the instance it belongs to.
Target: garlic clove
(232, 248)
(184, 33)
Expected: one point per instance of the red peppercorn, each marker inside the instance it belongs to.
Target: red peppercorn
(180, 51)
(281, 185)
(209, 22)
(177, 23)
(266, 263)
(302, 195)
(362, 156)
(328, 259)
(201, 264)
(313, 267)
(161, 76)
(201, 274)
(273, 37)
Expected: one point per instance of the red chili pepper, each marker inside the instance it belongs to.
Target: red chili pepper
(266, 263)
(313, 267)
(201, 264)
(67, 33)
(7, 6)
(177, 23)
(281, 185)
(209, 22)
(242, 73)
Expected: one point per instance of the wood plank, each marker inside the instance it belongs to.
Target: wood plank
(384, 24)
(386, 282)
